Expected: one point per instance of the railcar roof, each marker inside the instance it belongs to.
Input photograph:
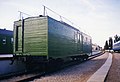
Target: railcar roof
(6, 32)
(65, 24)
(53, 19)
(58, 21)
(70, 26)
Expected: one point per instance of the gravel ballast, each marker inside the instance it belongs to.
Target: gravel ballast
(76, 73)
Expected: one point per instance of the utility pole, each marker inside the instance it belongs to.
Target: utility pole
(44, 11)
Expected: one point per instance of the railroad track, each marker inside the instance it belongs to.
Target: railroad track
(95, 55)
(31, 76)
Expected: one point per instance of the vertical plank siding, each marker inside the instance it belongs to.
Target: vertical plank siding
(45, 36)
(35, 36)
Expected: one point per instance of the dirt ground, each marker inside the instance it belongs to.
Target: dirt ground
(114, 72)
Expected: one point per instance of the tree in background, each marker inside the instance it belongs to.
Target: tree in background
(106, 47)
(110, 43)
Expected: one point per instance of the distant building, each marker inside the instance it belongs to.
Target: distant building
(96, 47)
(6, 41)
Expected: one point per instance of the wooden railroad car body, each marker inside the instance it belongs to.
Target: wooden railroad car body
(48, 38)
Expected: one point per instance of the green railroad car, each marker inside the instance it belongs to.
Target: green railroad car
(47, 38)
(6, 41)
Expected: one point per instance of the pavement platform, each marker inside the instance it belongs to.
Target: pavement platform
(101, 73)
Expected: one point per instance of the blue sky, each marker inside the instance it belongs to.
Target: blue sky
(99, 18)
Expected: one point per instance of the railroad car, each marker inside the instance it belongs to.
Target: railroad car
(43, 38)
(116, 46)
(6, 41)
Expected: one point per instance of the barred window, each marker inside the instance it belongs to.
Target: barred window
(75, 37)
(4, 40)
(11, 40)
